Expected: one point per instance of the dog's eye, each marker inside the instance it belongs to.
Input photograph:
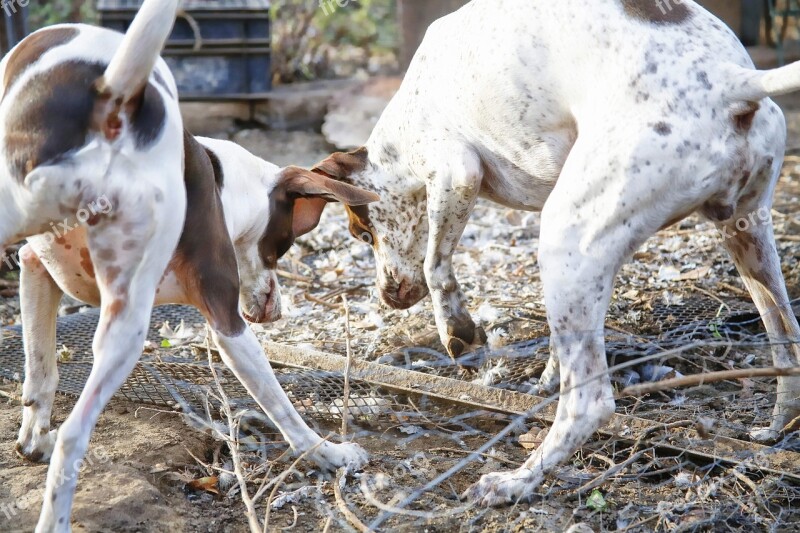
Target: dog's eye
(366, 237)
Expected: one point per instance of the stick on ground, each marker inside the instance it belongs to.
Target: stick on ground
(712, 377)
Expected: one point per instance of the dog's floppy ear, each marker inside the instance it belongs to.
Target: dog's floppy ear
(342, 164)
(311, 191)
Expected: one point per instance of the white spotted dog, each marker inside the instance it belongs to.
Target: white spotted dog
(641, 118)
(91, 135)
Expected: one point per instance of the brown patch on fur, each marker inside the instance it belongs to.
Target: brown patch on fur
(60, 109)
(219, 175)
(112, 273)
(664, 12)
(279, 235)
(53, 119)
(116, 308)
(145, 110)
(743, 119)
(31, 49)
(107, 254)
(718, 212)
(86, 262)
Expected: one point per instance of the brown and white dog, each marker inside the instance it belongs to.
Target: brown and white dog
(88, 118)
(643, 116)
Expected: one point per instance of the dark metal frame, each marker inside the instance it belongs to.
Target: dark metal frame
(790, 8)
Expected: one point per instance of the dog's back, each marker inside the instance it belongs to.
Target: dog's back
(62, 131)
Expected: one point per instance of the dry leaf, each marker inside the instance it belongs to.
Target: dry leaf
(533, 438)
(694, 275)
(207, 484)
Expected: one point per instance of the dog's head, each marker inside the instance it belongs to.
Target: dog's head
(297, 197)
(396, 227)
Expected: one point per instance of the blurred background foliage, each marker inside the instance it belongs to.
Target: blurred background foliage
(312, 39)
(330, 38)
(47, 12)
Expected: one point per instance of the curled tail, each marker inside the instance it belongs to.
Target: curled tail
(131, 66)
(754, 85)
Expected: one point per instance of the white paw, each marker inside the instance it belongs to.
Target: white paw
(546, 385)
(765, 435)
(330, 457)
(503, 488)
(38, 448)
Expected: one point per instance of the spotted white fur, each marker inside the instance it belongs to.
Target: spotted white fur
(614, 120)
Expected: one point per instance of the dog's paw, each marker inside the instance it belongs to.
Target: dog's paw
(330, 457)
(462, 334)
(38, 448)
(546, 384)
(502, 488)
(765, 435)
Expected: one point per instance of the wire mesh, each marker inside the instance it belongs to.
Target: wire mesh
(176, 378)
(667, 487)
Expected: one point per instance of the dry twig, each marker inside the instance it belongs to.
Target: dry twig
(711, 377)
(342, 505)
(233, 445)
(347, 364)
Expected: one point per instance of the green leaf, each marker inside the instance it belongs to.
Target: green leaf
(596, 501)
(166, 344)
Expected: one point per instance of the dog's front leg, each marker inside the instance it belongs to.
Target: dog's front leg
(39, 299)
(451, 198)
(243, 354)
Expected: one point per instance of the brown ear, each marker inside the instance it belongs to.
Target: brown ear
(341, 165)
(301, 183)
(306, 214)
(311, 192)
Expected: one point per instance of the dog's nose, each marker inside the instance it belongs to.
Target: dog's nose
(405, 291)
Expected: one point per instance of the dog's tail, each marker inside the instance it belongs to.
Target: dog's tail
(131, 66)
(754, 85)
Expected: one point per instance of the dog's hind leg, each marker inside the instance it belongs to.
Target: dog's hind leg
(594, 219)
(39, 299)
(130, 249)
(753, 250)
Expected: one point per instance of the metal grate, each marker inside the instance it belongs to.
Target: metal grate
(180, 379)
(517, 366)
(177, 379)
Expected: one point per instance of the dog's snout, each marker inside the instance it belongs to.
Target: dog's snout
(404, 290)
(401, 292)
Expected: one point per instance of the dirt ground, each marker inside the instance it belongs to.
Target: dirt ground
(144, 471)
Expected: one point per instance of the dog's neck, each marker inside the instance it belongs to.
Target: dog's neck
(244, 192)
(397, 160)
